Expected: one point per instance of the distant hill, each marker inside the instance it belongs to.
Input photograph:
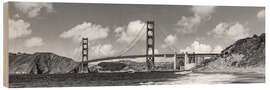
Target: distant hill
(40, 63)
(49, 63)
(127, 65)
(245, 55)
(112, 66)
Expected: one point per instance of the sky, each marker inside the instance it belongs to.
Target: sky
(110, 28)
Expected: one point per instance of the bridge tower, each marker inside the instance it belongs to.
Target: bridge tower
(175, 61)
(178, 62)
(186, 60)
(150, 46)
(84, 68)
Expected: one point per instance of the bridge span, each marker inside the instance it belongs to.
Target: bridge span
(185, 60)
(156, 55)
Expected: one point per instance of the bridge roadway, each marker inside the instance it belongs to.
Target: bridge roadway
(156, 55)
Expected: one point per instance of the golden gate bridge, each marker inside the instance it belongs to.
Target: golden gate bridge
(185, 58)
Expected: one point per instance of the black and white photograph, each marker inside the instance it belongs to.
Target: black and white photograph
(54, 44)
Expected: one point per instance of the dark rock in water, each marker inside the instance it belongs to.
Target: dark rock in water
(112, 66)
(252, 51)
(40, 63)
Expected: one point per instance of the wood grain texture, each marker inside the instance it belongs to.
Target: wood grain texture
(5, 46)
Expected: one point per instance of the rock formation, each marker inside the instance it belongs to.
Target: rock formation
(40, 63)
(250, 52)
(245, 55)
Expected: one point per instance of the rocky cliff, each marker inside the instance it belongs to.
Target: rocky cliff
(245, 55)
(250, 51)
(40, 63)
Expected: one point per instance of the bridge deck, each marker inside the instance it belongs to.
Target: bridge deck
(156, 55)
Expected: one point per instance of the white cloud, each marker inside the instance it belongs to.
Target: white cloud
(170, 39)
(16, 16)
(18, 28)
(230, 31)
(33, 42)
(217, 49)
(131, 31)
(86, 29)
(95, 51)
(261, 14)
(76, 54)
(220, 29)
(198, 47)
(190, 24)
(203, 11)
(119, 29)
(33, 9)
(102, 50)
(170, 42)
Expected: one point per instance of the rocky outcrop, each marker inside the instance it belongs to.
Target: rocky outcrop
(246, 52)
(245, 55)
(40, 63)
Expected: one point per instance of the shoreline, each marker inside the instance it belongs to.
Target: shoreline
(230, 69)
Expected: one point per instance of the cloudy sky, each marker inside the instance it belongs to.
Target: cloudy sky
(58, 28)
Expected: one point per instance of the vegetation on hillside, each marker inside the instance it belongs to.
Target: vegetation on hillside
(245, 55)
(40, 63)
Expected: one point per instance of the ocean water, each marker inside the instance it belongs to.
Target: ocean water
(212, 78)
(101, 80)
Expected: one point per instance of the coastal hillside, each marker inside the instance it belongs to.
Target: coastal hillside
(245, 55)
(39, 63)
(128, 65)
(141, 66)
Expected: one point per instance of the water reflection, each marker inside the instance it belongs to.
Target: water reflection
(211, 78)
